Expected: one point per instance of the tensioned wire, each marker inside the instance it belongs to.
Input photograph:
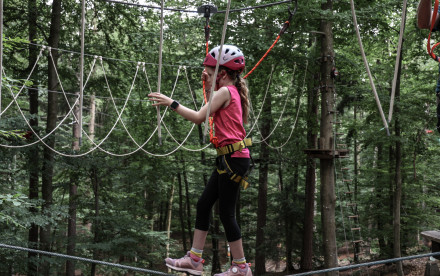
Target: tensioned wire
(7, 246)
(194, 11)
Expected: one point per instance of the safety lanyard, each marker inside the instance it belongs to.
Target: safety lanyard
(434, 17)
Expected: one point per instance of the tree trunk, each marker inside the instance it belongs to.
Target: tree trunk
(48, 155)
(71, 228)
(33, 155)
(188, 204)
(169, 213)
(96, 222)
(398, 173)
(328, 196)
(309, 202)
(181, 213)
(260, 253)
(73, 190)
(92, 117)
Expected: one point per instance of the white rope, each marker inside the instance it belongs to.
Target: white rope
(27, 79)
(262, 104)
(284, 108)
(225, 24)
(373, 87)
(294, 124)
(40, 139)
(102, 141)
(81, 73)
(159, 75)
(396, 67)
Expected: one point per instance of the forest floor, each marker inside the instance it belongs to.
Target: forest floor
(414, 267)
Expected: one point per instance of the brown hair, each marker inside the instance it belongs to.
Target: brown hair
(242, 88)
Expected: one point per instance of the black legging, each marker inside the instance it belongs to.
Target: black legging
(221, 187)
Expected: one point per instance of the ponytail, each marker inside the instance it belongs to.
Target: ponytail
(242, 88)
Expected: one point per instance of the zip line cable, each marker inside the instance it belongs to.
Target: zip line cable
(195, 11)
(373, 87)
(12, 247)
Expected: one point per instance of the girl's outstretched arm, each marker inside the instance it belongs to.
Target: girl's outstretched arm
(220, 98)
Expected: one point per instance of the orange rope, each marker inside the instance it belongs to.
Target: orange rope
(212, 139)
(264, 56)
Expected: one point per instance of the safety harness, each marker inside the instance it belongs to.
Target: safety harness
(223, 166)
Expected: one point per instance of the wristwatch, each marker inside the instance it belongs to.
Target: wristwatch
(174, 105)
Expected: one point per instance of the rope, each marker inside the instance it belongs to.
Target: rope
(225, 24)
(12, 247)
(27, 79)
(262, 104)
(283, 29)
(108, 58)
(343, 268)
(282, 112)
(194, 11)
(159, 74)
(396, 68)
(373, 87)
(294, 124)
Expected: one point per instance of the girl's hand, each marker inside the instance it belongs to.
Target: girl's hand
(159, 99)
(207, 79)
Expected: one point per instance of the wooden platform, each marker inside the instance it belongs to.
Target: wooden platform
(327, 153)
(434, 237)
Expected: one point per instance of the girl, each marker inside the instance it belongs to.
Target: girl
(229, 108)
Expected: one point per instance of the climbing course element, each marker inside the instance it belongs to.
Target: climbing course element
(283, 29)
(367, 67)
(208, 112)
(397, 66)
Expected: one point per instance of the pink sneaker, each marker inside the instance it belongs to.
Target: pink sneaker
(235, 270)
(186, 264)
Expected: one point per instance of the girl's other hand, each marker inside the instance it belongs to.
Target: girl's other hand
(159, 99)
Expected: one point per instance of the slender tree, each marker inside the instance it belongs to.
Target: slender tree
(52, 109)
(33, 154)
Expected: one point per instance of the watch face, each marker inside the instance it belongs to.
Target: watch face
(234, 270)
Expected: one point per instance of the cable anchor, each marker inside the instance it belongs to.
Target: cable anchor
(291, 14)
(207, 10)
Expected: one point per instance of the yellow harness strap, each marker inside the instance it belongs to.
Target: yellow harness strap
(237, 179)
(239, 146)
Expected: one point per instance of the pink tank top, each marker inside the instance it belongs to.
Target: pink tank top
(228, 124)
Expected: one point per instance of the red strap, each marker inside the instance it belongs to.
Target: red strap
(434, 17)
